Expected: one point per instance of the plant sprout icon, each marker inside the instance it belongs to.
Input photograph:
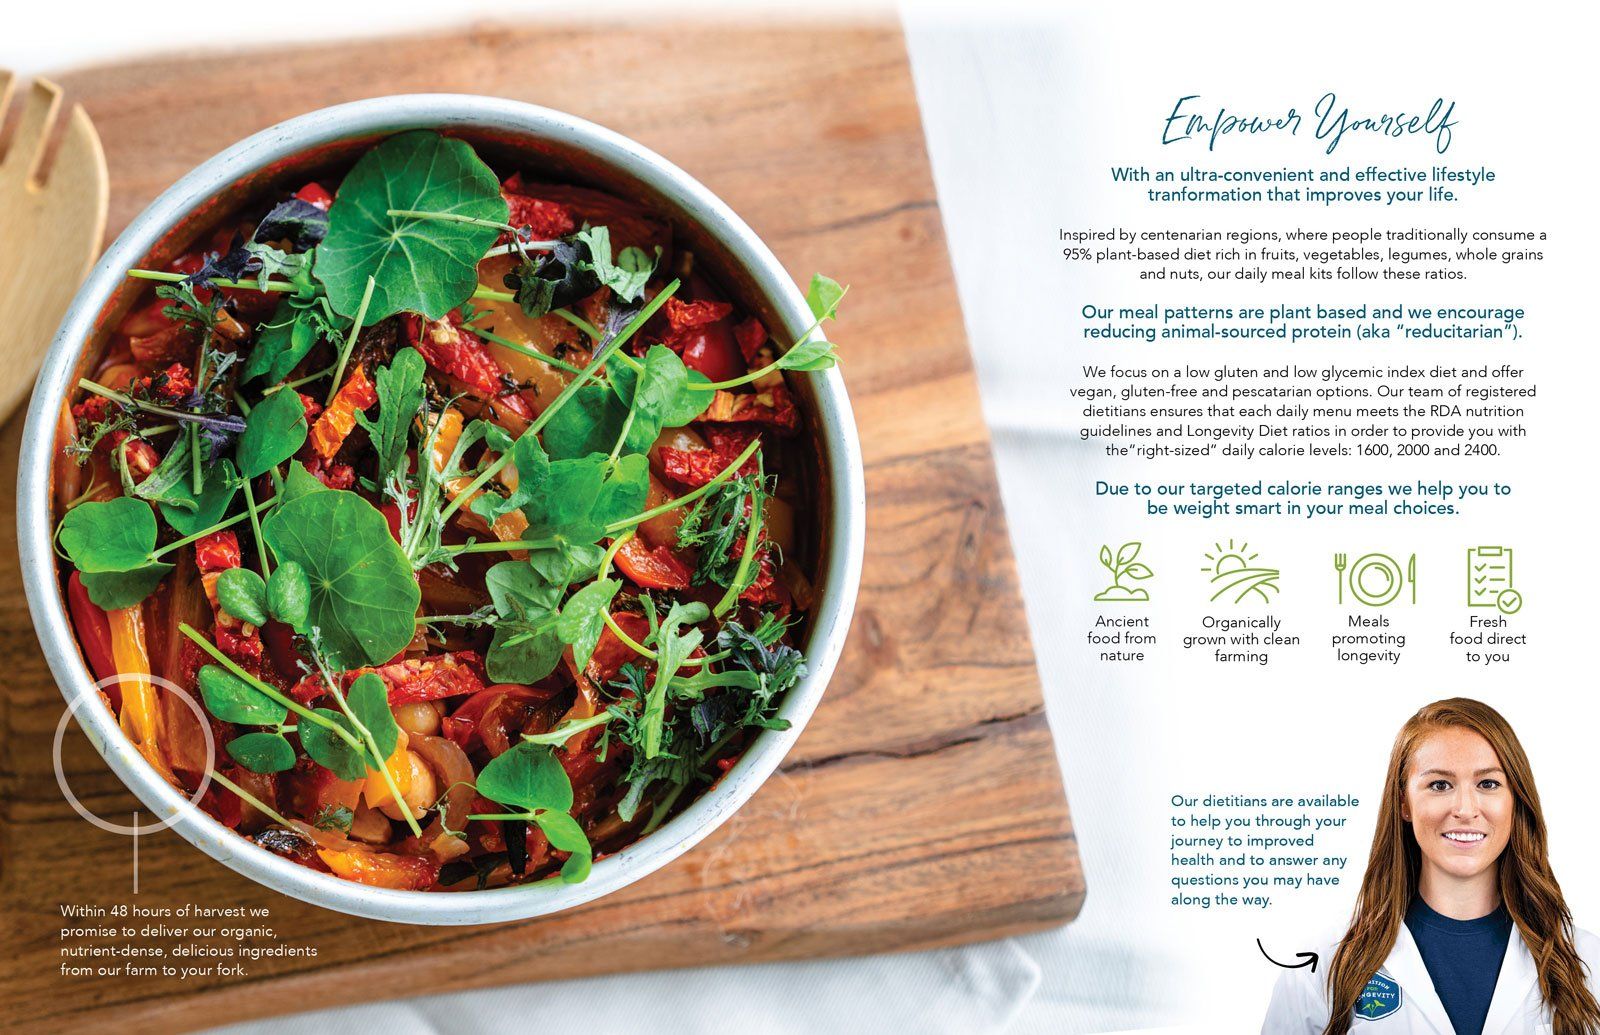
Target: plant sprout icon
(1234, 576)
(1124, 566)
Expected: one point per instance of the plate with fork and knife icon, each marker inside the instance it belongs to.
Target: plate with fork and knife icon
(1375, 579)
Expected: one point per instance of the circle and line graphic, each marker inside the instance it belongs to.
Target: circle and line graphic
(130, 830)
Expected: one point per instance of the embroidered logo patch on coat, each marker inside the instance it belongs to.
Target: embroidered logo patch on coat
(1379, 999)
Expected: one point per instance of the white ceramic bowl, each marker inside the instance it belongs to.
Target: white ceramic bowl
(548, 144)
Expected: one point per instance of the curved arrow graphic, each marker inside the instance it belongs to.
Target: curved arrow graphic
(1307, 959)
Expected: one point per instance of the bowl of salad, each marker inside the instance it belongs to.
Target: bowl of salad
(442, 509)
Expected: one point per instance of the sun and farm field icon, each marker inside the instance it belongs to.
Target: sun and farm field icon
(1124, 565)
(1235, 577)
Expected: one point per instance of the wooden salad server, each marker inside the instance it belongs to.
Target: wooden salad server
(52, 221)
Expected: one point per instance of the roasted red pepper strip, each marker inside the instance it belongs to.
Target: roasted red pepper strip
(464, 357)
(94, 632)
(660, 568)
(339, 419)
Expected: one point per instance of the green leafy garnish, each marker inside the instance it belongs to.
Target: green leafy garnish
(286, 338)
(529, 776)
(334, 817)
(399, 399)
(583, 618)
(526, 646)
(111, 544)
(231, 699)
(275, 431)
(262, 752)
(243, 594)
(674, 644)
(363, 594)
(289, 595)
(629, 274)
(188, 513)
(422, 265)
(332, 751)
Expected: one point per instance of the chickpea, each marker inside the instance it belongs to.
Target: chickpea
(420, 790)
(370, 826)
(419, 718)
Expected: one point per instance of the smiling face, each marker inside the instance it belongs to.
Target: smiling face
(1459, 807)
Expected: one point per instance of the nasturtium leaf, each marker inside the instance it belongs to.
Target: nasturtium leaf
(263, 752)
(589, 422)
(368, 698)
(811, 354)
(565, 835)
(364, 596)
(528, 776)
(329, 750)
(243, 594)
(399, 398)
(289, 595)
(114, 535)
(823, 296)
(428, 266)
(285, 339)
(583, 618)
(624, 492)
(188, 513)
(231, 699)
(114, 590)
(275, 431)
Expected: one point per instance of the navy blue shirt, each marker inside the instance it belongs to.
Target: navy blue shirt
(1463, 958)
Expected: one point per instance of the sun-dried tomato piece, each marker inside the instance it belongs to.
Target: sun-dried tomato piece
(694, 467)
(773, 407)
(172, 385)
(339, 419)
(216, 552)
(464, 357)
(545, 220)
(751, 334)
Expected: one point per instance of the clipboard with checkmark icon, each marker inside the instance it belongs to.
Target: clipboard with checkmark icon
(1490, 578)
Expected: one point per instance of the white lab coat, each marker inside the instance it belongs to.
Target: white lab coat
(1300, 1000)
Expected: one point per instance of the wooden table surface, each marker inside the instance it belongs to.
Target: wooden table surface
(922, 806)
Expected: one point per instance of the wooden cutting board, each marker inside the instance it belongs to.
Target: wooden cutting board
(923, 806)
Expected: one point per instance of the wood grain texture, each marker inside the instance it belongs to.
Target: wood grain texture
(922, 806)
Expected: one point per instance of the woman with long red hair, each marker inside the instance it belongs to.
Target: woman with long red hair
(1460, 927)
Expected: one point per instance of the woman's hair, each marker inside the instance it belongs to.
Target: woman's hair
(1527, 886)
